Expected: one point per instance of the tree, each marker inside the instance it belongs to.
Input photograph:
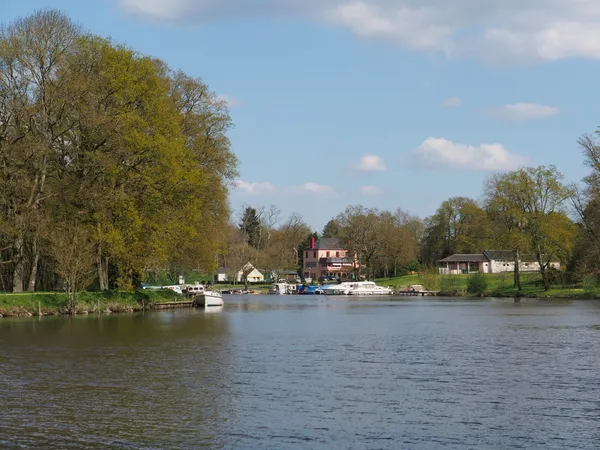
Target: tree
(136, 154)
(32, 50)
(529, 203)
(362, 229)
(251, 226)
(586, 202)
(74, 257)
(331, 229)
(458, 226)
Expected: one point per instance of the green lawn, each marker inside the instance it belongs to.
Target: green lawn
(499, 285)
(54, 302)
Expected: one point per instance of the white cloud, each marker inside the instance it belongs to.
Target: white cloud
(370, 163)
(261, 188)
(495, 31)
(231, 102)
(370, 191)
(524, 111)
(313, 189)
(440, 152)
(452, 102)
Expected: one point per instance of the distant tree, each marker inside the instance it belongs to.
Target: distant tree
(364, 232)
(458, 226)
(529, 205)
(331, 229)
(250, 225)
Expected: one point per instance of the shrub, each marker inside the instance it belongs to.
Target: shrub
(477, 284)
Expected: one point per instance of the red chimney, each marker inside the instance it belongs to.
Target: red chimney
(312, 242)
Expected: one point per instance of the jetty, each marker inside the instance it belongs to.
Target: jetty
(415, 293)
(175, 304)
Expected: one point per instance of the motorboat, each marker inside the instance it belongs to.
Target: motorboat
(280, 288)
(310, 290)
(356, 288)
(205, 297)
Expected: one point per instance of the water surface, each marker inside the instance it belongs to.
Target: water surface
(276, 372)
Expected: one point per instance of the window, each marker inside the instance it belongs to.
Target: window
(314, 254)
(327, 254)
(337, 254)
(306, 256)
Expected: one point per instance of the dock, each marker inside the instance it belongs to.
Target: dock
(177, 304)
(416, 293)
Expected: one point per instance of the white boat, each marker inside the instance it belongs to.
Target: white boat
(280, 288)
(356, 288)
(205, 297)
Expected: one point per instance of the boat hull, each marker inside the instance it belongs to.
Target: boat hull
(209, 298)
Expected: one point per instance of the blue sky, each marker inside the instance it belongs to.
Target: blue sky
(385, 103)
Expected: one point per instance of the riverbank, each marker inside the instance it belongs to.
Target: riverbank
(496, 285)
(54, 303)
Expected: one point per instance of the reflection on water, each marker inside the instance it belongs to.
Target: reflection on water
(307, 372)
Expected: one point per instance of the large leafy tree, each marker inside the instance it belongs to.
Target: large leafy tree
(529, 205)
(458, 226)
(133, 155)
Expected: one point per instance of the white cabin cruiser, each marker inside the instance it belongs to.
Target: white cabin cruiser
(280, 288)
(356, 288)
(205, 297)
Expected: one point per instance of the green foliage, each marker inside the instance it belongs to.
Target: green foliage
(590, 283)
(452, 284)
(134, 155)
(251, 226)
(477, 284)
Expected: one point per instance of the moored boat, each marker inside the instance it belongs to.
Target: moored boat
(356, 288)
(279, 288)
(205, 297)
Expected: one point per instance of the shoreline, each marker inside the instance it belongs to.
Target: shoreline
(94, 303)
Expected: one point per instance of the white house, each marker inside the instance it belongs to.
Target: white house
(253, 274)
(490, 261)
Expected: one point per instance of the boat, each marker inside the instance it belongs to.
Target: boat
(279, 288)
(356, 288)
(205, 297)
(310, 290)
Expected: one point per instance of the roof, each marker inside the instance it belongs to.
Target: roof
(506, 255)
(465, 257)
(222, 270)
(330, 244)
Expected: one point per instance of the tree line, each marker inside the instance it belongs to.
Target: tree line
(112, 164)
(530, 212)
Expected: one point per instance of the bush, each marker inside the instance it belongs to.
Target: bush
(477, 284)
(452, 285)
(590, 283)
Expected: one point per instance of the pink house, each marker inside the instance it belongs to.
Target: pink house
(327, 257)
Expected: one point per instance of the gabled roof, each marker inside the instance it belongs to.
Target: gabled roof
(465, 257)
(330, 244)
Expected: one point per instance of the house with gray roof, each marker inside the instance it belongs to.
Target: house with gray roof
(490, 261)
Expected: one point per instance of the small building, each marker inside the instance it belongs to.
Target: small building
(490, 261)
(221, 275)
(252, 274)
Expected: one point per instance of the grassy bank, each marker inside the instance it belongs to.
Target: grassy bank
(54, 303)
(498, 285)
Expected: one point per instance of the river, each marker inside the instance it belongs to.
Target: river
(307, 372)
